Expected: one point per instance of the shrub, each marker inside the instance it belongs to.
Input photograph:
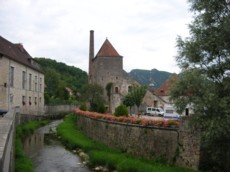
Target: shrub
(121, 111)
(83, 107)
(101, 108)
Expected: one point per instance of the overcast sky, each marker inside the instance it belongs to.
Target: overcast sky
(142, 31)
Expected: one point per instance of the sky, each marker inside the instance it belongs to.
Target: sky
(144, 32)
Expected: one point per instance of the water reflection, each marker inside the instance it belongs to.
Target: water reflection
(33, 143)
(48, 155)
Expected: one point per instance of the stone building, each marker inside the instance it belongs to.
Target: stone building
(107, 67)
(21, 80)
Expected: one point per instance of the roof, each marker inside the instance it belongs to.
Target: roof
(17, 53)
(164, 89)
(107, 50)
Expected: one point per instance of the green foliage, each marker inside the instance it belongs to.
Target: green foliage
(22, 162)
(128, 101)
(135, 97)
(121, 111)
(73, 138)
(93, 94)
(205, 82)
(100, 154)
(59, 77)
(108, 90)
(138, 94)
(83, 106)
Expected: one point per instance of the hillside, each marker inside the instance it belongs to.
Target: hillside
(147, 77)
(60, 78)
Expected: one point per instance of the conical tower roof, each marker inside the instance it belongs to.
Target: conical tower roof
(107, 50)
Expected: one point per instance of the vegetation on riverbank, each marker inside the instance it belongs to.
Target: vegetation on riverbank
(22, 162)
(101, 155)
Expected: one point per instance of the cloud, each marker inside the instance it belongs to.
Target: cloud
(142, 31)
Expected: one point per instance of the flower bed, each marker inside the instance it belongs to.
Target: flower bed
(129, 120)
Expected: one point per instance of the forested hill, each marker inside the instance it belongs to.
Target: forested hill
(59, 76)
(146, 77)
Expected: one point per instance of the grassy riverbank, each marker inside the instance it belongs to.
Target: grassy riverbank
(22, 162)
(100, 154)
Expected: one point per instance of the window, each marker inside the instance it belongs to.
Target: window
(23, 100)
(23, 80)
(30, 101)
(40, 85)
(169, 111)
(35, 83)
(116, 89)
(155, 103)
(35, 100)
(30, 81)
(11, 76)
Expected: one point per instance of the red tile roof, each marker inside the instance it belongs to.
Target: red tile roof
(17, 53)
(164, 89)
(107, 50)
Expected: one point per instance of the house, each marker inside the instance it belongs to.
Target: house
(164, 90)
(21, 79)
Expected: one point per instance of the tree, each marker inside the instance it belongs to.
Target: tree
(204, 58)
(108, 90)
(138, 94)
(135, 97)
(129, 101)
(58, 77)
(52, 80)
(93, 94)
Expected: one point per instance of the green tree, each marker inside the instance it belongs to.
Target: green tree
(138, 93)
(93, 94)
(204, 58)
(108, 90)
(52, 80)
(58, 77)
(135, 97)
(129, 101)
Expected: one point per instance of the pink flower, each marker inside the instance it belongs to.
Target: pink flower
(128, 120)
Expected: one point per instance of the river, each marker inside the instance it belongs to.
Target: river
(49, 155)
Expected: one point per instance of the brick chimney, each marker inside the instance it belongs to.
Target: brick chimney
(91, 45)
(91, 51)
(20, 46)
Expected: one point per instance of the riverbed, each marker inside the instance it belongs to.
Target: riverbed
(49, 155)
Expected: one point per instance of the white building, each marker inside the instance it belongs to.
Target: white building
(21, 80)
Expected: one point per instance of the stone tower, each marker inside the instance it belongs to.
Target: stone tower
(107, 67)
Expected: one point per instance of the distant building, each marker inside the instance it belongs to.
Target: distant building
(21, 79)
(164, 90)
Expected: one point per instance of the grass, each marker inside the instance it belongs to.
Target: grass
(22, 162)
(100, 154)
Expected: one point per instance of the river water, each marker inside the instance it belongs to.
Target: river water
(49, 155)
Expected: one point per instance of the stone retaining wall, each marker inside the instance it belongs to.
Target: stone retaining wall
(52, 110)
(7, 139)
(179, 146)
